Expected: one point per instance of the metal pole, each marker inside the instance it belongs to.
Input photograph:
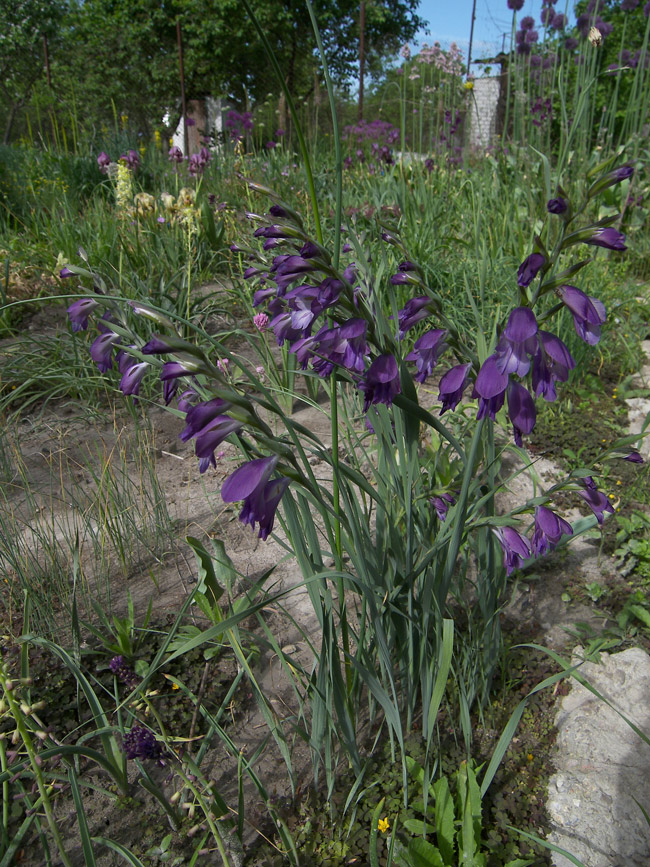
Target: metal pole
(362, 55)
(471, 38)
(179, 39)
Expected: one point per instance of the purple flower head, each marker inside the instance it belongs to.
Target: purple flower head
(124, 672)
(270, 145)
(515, 5)
(426, 352)
(516, 548)
(252, 483)
(414, 311)
(521, 410)
(629, 5)
(588, 313)
(595, 499)
(131, 158)
(551, 364)
(441, 505)
(103, 161)
(517, 343)
(101, 351)
(79, 311)
(452, 385)
(490, 387)
(634, 458)
(558, 21)
(570, 43)
(527, 22)
(132, 377)
(199, 416)
(279, 133)
(529, 269)
(175, 155)
(141, 743)
(549, 529)
(381, 382)
(343, 345)
(557, 206)
(547, 15)
(260, 321)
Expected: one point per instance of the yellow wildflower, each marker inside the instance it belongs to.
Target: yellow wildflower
(383, 825)
(469, 85)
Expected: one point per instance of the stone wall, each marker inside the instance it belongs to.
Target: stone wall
(483, 112)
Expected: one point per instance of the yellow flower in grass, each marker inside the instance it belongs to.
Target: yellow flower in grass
(383, 825)
(469, 85)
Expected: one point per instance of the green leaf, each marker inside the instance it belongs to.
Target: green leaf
(419, 828)
(128, 856)
(444, 812)
(424, 854)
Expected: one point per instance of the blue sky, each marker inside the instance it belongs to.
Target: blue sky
(450, 22)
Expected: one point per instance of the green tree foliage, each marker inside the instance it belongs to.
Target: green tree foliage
(24, 24)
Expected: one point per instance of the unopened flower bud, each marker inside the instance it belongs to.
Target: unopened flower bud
(595, 37)
(9, 685)
(41, 735)
(25, 708)
(174, 798)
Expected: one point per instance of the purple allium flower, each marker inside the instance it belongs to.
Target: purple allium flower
(570, 43)
(79, 311)
(527, 22)
(279, 133)
(381, 382)
(595, 499)
(101, 350)
(529, 269)
(426, 352)
(252, 483)
(588, 313)
(141, 743)
(547, 15)
(452, 385)
(123, 672)
(490, 387)
(414, 311)
(516, 547)
(132, 377)
(515, 5)
(517, 342)
(270, 145)
(521, 411)
(551, 364)
(558, 21)
(175, 155)
(103, 161)
(557, 206)
(549, 529)
(260, 321)
(441, 505)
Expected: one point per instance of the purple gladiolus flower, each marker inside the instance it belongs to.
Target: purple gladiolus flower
(201, 415)
(551, 364)
(529, 268)
(557, 206)
(521, 411)
(517, 342)
(516, 547)
(610, 239)
(79, 311)
(549, 529)
(380, 383)
(101, 350)
(441, 505)
(588, 313)
(634, 458)
(211, 436)
(426, 352)
(595, 499)
(141, 743)
(132, 377)
(452, 385)
(490, 387)
(252, 483)
(414, 311)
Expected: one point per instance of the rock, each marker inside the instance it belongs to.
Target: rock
(603, 765)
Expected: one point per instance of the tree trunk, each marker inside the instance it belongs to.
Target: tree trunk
(362, 55)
